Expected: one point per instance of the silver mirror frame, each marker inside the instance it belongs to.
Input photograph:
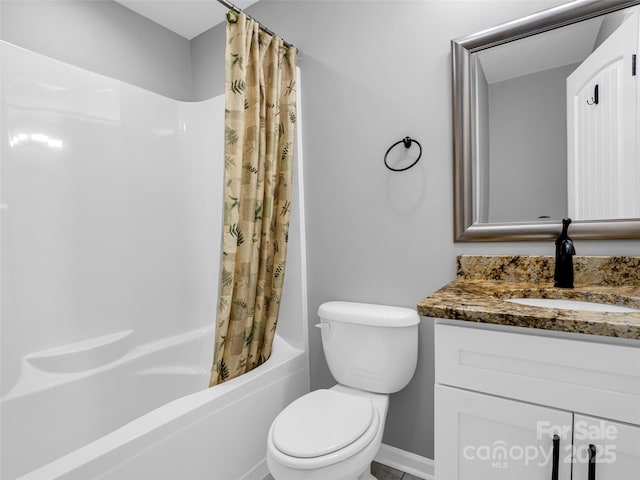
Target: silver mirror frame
(464, 117)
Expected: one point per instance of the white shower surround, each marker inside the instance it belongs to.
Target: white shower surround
(110, 230)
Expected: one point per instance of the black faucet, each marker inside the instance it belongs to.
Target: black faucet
(563, 276)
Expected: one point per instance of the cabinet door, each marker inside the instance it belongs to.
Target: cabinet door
(480, 437)
(617, 450)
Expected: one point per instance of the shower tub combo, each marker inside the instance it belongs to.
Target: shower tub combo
(112, 204)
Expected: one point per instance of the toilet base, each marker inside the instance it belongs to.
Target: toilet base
(366, 475)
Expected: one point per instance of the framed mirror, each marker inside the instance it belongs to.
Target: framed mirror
(546, 125)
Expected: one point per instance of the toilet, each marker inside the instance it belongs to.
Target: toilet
(334, 434)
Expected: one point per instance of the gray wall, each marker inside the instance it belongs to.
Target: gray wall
(207, 61)
(372, 73)
(528, 139)
(104, 37)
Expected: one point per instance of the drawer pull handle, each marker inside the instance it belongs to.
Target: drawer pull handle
(592, 462)
(556, 457)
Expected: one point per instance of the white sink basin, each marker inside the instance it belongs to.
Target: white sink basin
(571, 305)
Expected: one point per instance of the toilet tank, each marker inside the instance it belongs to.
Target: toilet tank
(370, 347)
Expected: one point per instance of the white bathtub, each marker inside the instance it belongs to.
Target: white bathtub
(197, 436)
(110, 257)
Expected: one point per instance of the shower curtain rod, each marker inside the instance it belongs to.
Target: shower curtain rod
(231, 6)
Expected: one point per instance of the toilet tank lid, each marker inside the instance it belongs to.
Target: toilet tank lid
(369, 314)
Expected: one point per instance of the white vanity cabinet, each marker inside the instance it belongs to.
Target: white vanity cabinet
(617, 451)
(504, 394)
(486, 437)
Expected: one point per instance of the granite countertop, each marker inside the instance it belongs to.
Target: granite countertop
(484, 282)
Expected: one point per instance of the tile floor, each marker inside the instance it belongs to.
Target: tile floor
(382, 472)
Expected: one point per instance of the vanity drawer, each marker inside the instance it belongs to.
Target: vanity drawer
(587, 377)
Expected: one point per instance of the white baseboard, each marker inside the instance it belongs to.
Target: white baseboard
(408, 462)
(259, 472)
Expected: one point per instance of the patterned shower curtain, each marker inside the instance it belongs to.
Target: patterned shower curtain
(260, 116)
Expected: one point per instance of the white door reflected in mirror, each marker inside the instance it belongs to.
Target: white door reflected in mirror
(603, 175)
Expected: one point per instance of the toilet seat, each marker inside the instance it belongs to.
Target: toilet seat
(342, 425)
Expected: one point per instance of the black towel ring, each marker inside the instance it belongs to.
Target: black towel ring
(407, 144)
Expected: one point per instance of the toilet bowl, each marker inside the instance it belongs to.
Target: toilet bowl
(334, 434)
(327, 435)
